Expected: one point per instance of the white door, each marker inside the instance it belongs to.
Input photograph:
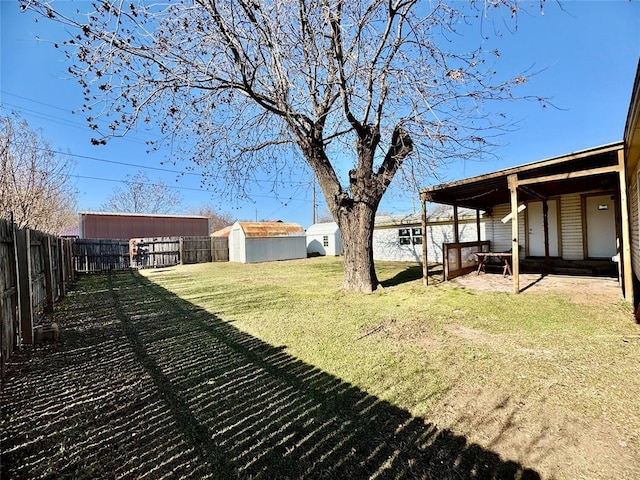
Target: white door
(535, 221)
(601, 226)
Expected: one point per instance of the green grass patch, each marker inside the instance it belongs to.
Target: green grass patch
(271, 371)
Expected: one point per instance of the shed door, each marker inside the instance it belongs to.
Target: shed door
(601, 226)
(535, 221)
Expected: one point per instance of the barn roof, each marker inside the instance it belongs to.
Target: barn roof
(124, 214)
(271, 229)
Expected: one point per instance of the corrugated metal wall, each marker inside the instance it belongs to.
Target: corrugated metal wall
(271, 249)
(126, 227)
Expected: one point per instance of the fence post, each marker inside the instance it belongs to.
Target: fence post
(48, 272)
(61, 268)
(181, 250)
(23, 261)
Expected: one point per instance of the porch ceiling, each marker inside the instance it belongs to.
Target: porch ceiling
(485, 191)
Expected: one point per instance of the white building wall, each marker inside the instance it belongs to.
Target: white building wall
(386, 241)
(386, 246)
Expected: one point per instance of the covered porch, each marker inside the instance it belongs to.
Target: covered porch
(568, 212)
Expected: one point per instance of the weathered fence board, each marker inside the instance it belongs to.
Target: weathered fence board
(33, 274)
(9, 316)
(168, 251)
(96, 255)
(155, 252)
(195, 250)
(219, 249)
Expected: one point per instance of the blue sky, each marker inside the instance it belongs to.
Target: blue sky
(587, 52)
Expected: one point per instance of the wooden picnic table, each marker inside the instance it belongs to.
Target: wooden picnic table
(484, 257)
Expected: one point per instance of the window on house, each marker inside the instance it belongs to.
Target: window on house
(416, 234)
(325, 240)
(410, 236)
(404, 234)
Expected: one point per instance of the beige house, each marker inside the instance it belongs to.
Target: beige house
(578, 211)
(632, 171)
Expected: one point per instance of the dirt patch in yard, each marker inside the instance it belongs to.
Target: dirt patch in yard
(529, 429)
(583, 290)
(544, 405)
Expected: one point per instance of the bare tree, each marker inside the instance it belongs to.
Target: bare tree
(139, 195)
(217, 220)
(354, 86)
(35, 183)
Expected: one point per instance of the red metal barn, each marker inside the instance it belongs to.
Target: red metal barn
(137, 225)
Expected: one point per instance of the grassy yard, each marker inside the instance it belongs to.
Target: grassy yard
(271, 371)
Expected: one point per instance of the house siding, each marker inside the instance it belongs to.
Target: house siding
(572, 228)
(501, 232)
(571, 240)
(634, 221)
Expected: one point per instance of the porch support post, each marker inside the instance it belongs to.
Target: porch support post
(478, 231)
(625, 250)
(515, 251)
(456, 236)
(545, 226)
(425, 261)
(456, 225)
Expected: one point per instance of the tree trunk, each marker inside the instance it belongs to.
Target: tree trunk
(356, 227)
(355, 210)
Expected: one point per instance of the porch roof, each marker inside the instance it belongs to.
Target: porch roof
(592, 169)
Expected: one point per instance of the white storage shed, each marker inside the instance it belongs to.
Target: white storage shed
(255, 242)
(324, 239)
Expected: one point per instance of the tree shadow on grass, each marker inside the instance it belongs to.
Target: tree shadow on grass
(144, 383)
(412, 273)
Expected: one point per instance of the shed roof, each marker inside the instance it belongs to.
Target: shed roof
(270, 229)
(323, 228)
(223, 232)
(552, 177)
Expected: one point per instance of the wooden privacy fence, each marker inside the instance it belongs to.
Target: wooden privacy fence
(36, 269)
(167, 251)
(99, 255)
